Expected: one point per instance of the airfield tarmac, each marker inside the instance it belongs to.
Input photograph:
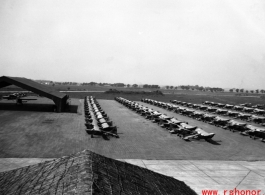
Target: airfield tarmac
(230, 161)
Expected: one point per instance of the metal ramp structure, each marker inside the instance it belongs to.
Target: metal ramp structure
(60, 99)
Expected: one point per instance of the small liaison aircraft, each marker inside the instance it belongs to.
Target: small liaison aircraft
(254, 132)
(13, 96)
(19, 97)
(199, 134)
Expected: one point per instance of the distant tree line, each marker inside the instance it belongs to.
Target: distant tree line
(156, 92)
(199, 88)
(183, 87)
(247, 91)
(63, 83)
(110, 84)
(171, 87)
(134, 85)
(151, 86)
(121, 85)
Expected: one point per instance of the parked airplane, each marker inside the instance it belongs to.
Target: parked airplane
(13, 96)
(18, 97)
(199, 134)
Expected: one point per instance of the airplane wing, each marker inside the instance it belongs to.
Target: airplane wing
(204, 133)
(188, 127)
(260, 130)
(174, 120)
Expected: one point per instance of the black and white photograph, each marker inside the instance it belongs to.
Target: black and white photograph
(159, 97)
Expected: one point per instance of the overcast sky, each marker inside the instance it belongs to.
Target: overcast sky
(216, 43)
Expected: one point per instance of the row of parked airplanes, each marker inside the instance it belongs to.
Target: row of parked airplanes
(19, 97)
(241, 107)
(173, 125)
(228, 110)
(97, 121)
(226, 123)
(248, 107)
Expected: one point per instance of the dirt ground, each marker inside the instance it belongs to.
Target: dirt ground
(46, 134)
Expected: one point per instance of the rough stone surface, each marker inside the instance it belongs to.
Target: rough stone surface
(88, 173)
(67, 175)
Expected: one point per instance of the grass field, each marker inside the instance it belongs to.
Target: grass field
(182, 95)
(192, 98)
(27, 134)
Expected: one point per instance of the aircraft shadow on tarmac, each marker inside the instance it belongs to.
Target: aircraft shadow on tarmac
(211, 141)
(214, 142)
